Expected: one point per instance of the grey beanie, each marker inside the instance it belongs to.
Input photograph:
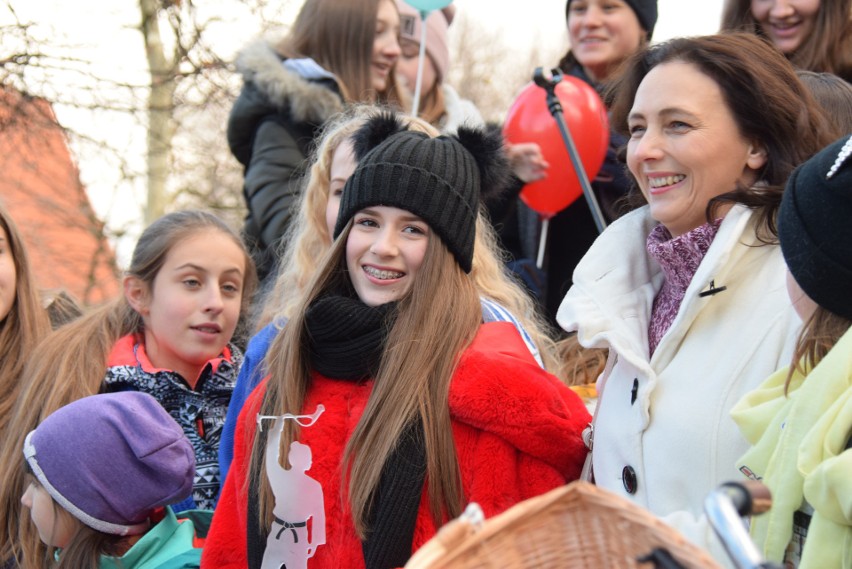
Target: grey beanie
(815, 227)
(112, 459)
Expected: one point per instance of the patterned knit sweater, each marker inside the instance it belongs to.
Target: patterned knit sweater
(200, 412)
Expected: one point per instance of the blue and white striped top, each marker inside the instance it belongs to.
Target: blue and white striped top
(493, 312)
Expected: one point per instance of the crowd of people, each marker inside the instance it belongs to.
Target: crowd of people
(331, 386)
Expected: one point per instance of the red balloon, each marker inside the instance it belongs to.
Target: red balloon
(529, 120)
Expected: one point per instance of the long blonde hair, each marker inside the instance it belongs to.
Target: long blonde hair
(339, 35)
(423, 346)
(22, 328)
(72, 362)
(309, 241)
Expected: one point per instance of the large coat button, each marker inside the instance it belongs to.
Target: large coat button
(635, 391)
(628, 478)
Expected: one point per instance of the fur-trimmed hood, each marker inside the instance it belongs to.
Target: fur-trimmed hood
(300, 94)
(307, 99)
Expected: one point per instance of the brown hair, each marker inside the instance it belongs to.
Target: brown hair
(339, 36)
(829, 46)
(21, 329)
(307, 238)
(819, 334)
(61, 307)
(72, 362)
(308, 241)
(834, 95)
(769, 104)
(85, 546)
(423, 346)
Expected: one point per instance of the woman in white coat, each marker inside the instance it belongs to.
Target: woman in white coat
(688, 292)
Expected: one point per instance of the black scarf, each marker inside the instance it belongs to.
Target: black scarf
(346, 337)
(346, 341)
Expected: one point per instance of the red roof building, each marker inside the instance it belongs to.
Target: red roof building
(40, 187)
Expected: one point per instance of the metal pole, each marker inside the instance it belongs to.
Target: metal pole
(728, 525)
(555, 108)
(542, 242)
(415, 106)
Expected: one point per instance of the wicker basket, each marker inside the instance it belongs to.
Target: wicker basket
(578, 525)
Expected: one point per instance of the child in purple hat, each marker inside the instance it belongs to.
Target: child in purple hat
(103, 471)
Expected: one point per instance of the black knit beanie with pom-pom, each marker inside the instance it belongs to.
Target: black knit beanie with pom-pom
(815, 227)
(438, 179)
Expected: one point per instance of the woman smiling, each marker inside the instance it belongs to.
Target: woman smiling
(813, 34)
(688, 292)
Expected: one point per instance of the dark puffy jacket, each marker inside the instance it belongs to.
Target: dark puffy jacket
(271, 131)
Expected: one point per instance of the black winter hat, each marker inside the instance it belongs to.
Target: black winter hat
(646, 12)
(815, 227)
(438, 179)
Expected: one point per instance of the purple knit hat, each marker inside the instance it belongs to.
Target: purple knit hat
(111, 459)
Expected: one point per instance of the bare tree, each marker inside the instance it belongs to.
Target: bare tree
(161, 127)
(191, 90)
(488, 69)
(179, 106)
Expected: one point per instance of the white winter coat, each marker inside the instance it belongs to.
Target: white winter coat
(668, 419)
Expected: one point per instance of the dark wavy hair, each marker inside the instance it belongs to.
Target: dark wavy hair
(768, 102)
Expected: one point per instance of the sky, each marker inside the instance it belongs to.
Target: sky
(105, 33)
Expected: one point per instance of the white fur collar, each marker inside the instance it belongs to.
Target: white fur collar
(308, 101)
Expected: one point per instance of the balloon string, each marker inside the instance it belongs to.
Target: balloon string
(542, 242)
(415, 106)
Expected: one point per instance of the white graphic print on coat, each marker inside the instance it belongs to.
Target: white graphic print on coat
(298, 525)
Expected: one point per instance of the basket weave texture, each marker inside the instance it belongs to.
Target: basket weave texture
(578, 525)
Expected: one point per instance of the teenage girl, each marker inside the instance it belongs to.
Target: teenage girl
(168, 335)
(424, 407)
(799, 420)
(310, 239)
(336, 53)
(440, 104)
(102, 471)
(813, 34)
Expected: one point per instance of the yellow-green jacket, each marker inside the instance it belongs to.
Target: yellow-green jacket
(799, 450)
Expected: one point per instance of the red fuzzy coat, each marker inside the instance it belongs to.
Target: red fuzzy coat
(516, 429)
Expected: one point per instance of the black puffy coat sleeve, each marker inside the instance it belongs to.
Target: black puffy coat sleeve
(273, 181)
